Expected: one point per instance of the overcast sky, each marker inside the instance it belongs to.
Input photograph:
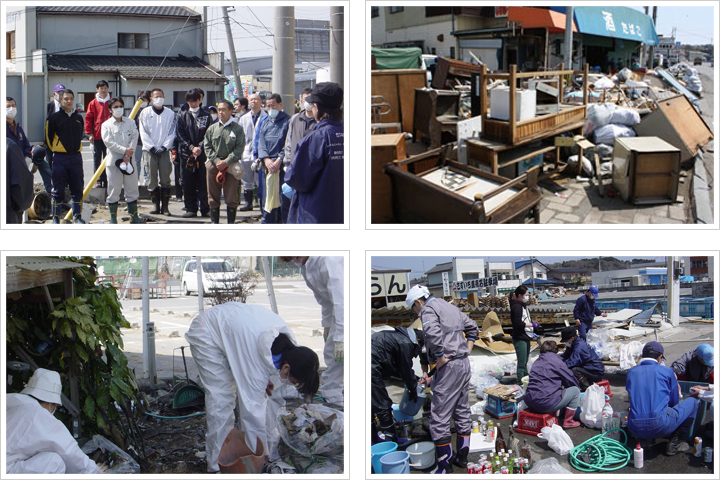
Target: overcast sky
(252, 28)
(419, 265)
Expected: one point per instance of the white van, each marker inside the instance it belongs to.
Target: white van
(217, 275)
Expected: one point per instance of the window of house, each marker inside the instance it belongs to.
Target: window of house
(470, 276)
(133, 40)
(374, 12)
(396, 9)
(10, 46)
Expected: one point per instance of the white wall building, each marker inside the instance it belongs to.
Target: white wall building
(458, 269)
(525, 270)
(505, 272)
(637, 276)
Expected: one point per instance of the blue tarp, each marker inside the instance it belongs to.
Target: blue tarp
(542, 281)
(616, 22)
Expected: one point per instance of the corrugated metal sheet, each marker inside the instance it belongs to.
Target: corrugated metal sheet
(166, 11)
(181, 68)
(616, 22)
(37, 264)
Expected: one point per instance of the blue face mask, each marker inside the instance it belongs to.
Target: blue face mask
(273, 113)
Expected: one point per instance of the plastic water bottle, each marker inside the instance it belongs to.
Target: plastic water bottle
(607, 413)
(638, 453)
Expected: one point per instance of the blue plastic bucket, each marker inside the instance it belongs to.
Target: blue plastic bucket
(396, 462)
(399, 415)
(378, 450)
(413, 407)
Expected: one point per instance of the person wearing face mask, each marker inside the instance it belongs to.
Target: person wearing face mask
(63, 134)
(192, 126)
(317, 169)
(301, 124)
(224, 145)
(157, 130)
(325, 277)
(34, 155)
(240, 108)
(585, 311)
(581, 359)
(212, 109)
(522, 329)
(655, 408)
(449, 338)
(120, 135)
(36, 441)
(52, 107)
(97, 113)
(143, 171)
(271, 135)
(242, 352)
(249, 124)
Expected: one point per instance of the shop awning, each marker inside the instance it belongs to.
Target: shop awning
(616, 22)
(529, 17)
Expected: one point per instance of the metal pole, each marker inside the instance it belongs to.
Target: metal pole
(268, 282)
(673, 292)
(145, 313)
(283, 63)
(532, 274)
(201, 303)
(337, 45)
(233, 60)
(652, 49)
(568, 38)
(152, 370)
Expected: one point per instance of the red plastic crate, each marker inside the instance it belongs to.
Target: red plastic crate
(499, 408)
(606, 385)
(531, 423)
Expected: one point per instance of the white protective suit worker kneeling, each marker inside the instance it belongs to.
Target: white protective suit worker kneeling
(242, 351)
(325, 276)
(37, 442)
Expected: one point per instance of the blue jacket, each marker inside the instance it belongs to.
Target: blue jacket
(549, 374)
(271, 137)
(653, 392)
(586, 310)
(20, 138)
(317, 175)
(579, 354)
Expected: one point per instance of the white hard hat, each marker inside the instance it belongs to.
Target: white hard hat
(44, 385)
(418, 291)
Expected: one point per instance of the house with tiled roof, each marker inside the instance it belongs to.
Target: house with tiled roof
(127, 46)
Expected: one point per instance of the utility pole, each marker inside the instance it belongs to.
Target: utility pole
(198, 267)
(233, 59)
(268, 282)
(568, 41)
(643, 50)
(599, 264)
(673, 292)
(652, 49)
(532, 272)
(337, 45)
(283, 63)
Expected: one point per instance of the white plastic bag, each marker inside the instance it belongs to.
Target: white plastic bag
(625, 116)
(272, 191)
(557, 438)
(587, 166)
(608, 133)
(549, 466)
(604, 83)
(121, 463)
(598, 115)
(591, 405)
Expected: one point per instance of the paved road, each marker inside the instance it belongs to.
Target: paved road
(172, 317)
(707, 104)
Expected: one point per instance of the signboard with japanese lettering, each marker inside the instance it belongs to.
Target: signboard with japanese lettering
(393, 286)
(446, 284)
(501, 12)
(616, 22)
(475, 284)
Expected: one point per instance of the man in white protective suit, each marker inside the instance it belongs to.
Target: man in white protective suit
(36, 441)
(325, 276)
(242, 352)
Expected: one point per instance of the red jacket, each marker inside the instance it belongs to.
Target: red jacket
(96, 114)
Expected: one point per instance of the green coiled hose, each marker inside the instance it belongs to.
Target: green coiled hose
(600, 453)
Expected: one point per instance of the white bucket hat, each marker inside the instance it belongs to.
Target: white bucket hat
(45, 385)
(418, 291)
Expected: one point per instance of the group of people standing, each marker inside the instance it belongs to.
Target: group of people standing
(295, 164)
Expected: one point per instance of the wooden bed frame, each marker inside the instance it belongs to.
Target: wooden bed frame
(512, 132)
(417, 200)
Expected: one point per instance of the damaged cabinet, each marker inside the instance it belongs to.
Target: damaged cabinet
(436, 112)
(646, 170)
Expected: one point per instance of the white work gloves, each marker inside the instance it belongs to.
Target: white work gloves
(92, 147)
(339, 351)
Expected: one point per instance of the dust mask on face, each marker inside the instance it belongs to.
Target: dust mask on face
(158, 102)
(194, 110)
(11, 112)
(273, 113)
(308, 106)
(118, 111)
(214, 116)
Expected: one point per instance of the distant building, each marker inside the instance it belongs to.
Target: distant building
(631, 277)
(700, 268)
(459, 269)
(505, 273)
(572, 274)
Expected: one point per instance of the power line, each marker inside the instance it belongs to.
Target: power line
(256, 37)
(261, 23)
